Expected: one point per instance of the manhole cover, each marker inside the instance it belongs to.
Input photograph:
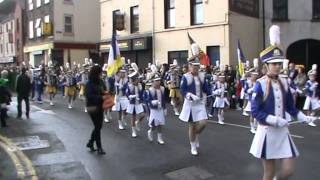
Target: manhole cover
(189, 173)
(30, 142)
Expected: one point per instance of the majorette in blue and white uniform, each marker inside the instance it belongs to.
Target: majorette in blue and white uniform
(194, 89)
(312, 90)
(254, 73)
(121, 100)
(134, 92)
(220, 95)
(157, 105)
(271, 98)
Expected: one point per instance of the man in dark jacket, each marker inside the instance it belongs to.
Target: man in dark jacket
(5, 97)
(23, 91)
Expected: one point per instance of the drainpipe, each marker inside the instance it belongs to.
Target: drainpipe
(264, 24)
(153, 37)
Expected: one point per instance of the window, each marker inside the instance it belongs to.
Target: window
(196, 12)
(7, 27)
(316, 10)
(1, 48)
(30, 3)
(68, 26)
(18, 44)
(38, 27)
(134, 11)
(170, 13)
(214, 54)
(17, 25)
(38, 3)
(31, 33)
(46, 1)
(47, 19)
(180, 56)
(280, 10)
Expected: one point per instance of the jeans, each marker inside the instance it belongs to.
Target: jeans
(97, 119)
(26, 100)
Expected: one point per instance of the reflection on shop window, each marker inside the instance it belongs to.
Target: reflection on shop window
(180, 56)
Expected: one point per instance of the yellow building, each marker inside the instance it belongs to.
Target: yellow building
(156, 30)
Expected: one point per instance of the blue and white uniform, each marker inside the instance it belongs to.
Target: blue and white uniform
(271, 98)
(248, 89)
(313, 94)
(157, 105)
(135, 96)
(194, 86)
(121, 100)
(219, 92)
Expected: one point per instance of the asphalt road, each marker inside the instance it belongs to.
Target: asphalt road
(223, 154)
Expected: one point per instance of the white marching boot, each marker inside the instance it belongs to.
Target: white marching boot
(160, 139)
(197, 141)
(134, 132)
(193, 149)
(120, 125)
(137, 125)
(150, 135)
(220, 119)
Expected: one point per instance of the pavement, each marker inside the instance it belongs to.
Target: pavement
(223, 153)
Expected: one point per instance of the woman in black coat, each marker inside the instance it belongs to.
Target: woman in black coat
(94, 97)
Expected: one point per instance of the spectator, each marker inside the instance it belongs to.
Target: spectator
(23, 92)
(94, 97)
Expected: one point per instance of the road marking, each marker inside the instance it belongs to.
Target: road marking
(15, 159)
(23, 164)
(247, 127)
(39, 109)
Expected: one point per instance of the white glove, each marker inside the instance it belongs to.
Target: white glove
(303, 118)
(132, 96)
(159, 104)
(276, 121)
(154, 102)
(250, 90)
(192, 97)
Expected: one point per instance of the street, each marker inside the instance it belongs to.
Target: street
(224, 152)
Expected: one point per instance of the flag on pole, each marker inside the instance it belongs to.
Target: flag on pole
(241, 60)
(114, 60)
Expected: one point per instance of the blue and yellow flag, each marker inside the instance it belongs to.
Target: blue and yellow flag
(241, 60)
(114, 60)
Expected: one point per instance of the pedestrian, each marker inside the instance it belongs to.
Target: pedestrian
(194, 89)
(23, 90)
(157, 105)
(271, 98)
(94, 99)
(51, 82)
(5, 97)
(135, 94)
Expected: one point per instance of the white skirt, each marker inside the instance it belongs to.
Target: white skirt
(121, 104)
(248, 107)
(311, 103)
(135, 108)
(220, 102)
(273, 143)
(196, 109)
(156, 117)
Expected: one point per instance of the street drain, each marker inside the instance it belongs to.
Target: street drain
(30, 142)
(189, 173)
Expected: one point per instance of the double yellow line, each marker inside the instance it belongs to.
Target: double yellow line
(23, 165)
